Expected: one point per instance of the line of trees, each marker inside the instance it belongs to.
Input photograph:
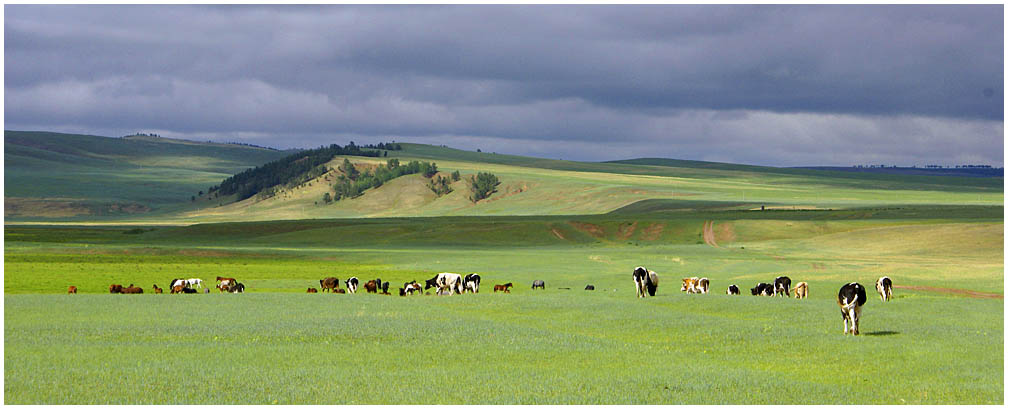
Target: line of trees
(286, 172)
(482, 186)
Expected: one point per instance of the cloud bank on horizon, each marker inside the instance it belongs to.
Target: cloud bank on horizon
(759, 84)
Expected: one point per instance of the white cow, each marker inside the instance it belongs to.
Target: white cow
(195, 282)
(452, 281)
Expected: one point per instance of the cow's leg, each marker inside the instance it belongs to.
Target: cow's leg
(856, 313)
(844, 316)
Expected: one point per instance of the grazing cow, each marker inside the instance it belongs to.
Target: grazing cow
(850, 298)
(238, 287)
(441, 281)
(733, 290)
(503, 288)
(179, 288)
(402, 291)
(178, 281)
(695, 285)
(371, 287)
(132, 289)
(539, 284)
(156, 288)
(781, 285)
(645, 281)
(72, 290)
(885, 288)
(189, 290)
(801, 290)
(194, 283)
(329, 284)
(312, 290)
(472, 283)
(115, 288)
(411, 287)
(385, 288)
(352, 284)
(590, 287)
(763, 289)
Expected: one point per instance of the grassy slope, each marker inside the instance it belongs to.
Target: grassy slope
(93, 172)
(700, 349)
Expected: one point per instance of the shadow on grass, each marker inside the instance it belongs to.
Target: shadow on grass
(881, 333)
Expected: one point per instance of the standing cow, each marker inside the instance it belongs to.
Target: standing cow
(781, 286)
(850, 298)
(371, 286)
(645, 281)
(329, 284)
(445, 281)
(732, 290)
(539, 284)
(885, 288)
(801, 290)
(352, 284)
(472, 283)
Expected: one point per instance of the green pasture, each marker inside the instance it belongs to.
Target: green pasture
(276, 344)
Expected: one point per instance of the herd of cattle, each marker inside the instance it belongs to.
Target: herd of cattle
(850, 297)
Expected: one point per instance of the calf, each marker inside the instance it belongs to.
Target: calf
(156, 288)
(72, 290)
(590, 287)
(179, 288)
(503, 288)
(762, 288)
(733, 290)
(885, 288)
(646, 282)
(472, 283)
(411, 287)
(385, 288)
(341, 291)
(801, 290)
(352, 284)
(237, 288)
(539, 284)
(113, 288)
(781, 285)
(850, 298)
(133, 289)
(329, 284)
(312, 290)
(695, 285)
(371, 287)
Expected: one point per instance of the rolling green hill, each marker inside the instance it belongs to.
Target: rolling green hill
(51, 175)
(151, 180)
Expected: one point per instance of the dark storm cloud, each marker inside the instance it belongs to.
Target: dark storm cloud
(743, 83)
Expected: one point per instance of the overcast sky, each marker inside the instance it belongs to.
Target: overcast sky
(767, 85)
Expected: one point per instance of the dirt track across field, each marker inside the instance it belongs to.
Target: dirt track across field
(709, 233)
(960, 292)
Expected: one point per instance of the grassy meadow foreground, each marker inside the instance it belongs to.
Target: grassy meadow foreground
(276, 344)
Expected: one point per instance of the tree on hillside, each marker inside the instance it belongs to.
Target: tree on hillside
(326, 198)
(456, 175)
(349, 169)
(482, 186)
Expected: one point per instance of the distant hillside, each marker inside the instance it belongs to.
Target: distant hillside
(947, 172)
(59, 175)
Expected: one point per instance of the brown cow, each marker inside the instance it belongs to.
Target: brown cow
(133, 289)
(312, 290)
(503, 288)
(72, 289)
(371, 287)
(177, 289)
(225, 283)
(338, 290)
(156, 288)
(329, 284)
(115, 288)
(801, 290)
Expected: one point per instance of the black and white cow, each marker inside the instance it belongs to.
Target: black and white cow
(885, 288)
(539, 284)
(850, 298)
(472, 283)
(645, 281)
(352, 284)
(445, 281)
(781, 286)
(763, 289)
(733, 290)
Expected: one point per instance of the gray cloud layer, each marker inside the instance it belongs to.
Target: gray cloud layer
(793, 85)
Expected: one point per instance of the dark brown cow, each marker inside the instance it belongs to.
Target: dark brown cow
(312, 290)
(338, 290)
(72, 289)
(371, 287)
(503, 288)
(329, 284)
(156, 288)
(133, 289)
(115, 288)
